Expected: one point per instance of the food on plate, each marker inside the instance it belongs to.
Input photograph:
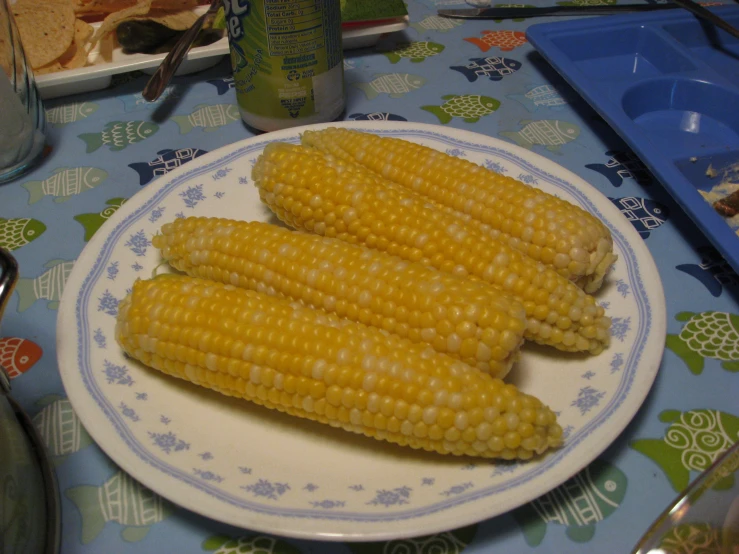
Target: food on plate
(314, 365)
(465, 319)
(57, 35)
(157, 32)
(728, 206)
(47, 34)
(544, 227)
(316, 192)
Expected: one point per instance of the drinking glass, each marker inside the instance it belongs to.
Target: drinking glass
(22, 117)
(704, 519)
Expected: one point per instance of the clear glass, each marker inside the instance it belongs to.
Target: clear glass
(705, 518)
(22, 117)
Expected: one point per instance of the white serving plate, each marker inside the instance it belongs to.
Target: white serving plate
(248, 466)
(112, 61)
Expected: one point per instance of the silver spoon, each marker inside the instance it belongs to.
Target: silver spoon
(166, 70)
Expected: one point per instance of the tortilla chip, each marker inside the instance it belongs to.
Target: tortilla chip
(177, 21)
(45, 33)
(141, 7)
(102, 6)
(48, 68)
(174, 5)
(82, 31)
(76, 55)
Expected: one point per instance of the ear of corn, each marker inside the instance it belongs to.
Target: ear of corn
(544, 227)
(317, 366)
(306, 192)
(463, 318)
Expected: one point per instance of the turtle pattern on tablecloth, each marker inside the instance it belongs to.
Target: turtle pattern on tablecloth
(692, 442)
(707, 335)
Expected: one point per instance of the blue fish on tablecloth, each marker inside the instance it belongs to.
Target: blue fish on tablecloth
(120, 499)
(644, 214)
(395, 85)
(713, 271)
(65, 183)
(493, 68)
(546, 96)
(579, 504)
(222, 85)
(137, 101)
(119, 134)
(166, 161)
(376, 116)
(69, 113)
(209, 117)
(550, 133)
(48, 286)
(623, 165)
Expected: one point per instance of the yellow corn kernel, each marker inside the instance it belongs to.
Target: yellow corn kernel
(545, 227)
(410, 396)
(466, 319)
(415, 230)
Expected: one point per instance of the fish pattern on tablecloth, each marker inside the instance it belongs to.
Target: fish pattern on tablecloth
(166, 160)
(47, 286)
(18, 232)
(468, 107)
(118, 135)
(550, 133)
(579, 504)
(120, 499)
(504, 40)
(18, 355)
(713, 271)
(92, 222)
(65, 183)
(48, 215)
(643, 213)
(493, 68)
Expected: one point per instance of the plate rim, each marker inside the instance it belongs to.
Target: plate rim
(131, 462)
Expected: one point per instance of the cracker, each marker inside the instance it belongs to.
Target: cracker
(45, 33)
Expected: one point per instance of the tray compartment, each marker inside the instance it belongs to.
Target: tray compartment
(620, 53)
(689, 117)
(712, 46)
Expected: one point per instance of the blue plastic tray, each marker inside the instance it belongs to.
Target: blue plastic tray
(669, 85)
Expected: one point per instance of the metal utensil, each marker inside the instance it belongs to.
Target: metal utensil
(30, 507)
(516, 13)
(707, 15)
(166, 70)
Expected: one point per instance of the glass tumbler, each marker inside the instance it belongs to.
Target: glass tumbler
(22, 116)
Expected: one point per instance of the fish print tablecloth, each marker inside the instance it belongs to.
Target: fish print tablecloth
(477, 75)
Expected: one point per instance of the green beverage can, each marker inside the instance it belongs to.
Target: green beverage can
(287, 61)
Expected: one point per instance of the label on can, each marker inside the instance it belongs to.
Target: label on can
(286, 56)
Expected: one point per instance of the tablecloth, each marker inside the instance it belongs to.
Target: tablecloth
(419, 75)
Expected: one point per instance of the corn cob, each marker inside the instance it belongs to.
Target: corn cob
(304, 191)
(462, 318)
(317, 366)
(544, 227)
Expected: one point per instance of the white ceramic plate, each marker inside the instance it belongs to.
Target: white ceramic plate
(245, 465)
(112, 61)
